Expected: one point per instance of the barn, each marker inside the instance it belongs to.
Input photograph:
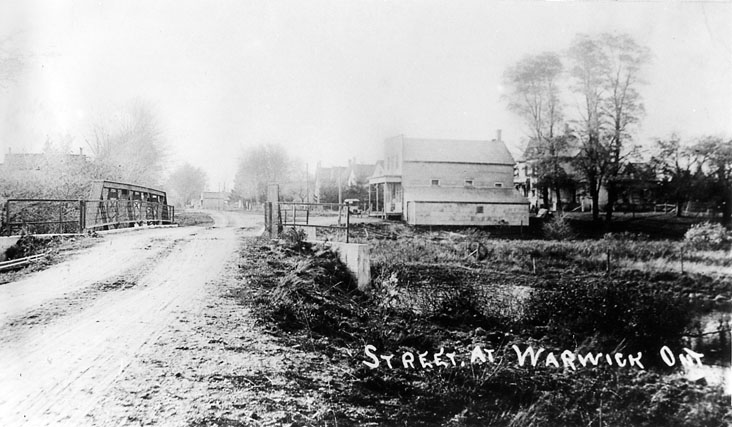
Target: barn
(447, 182)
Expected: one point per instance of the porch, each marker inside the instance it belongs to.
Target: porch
(386, 197)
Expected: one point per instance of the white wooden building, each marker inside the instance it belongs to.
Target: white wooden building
(447, 182)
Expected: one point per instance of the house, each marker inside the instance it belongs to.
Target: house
(527, 176)
(636, 182)
(215, 200)
(32, 162)
(447, 182)
(327, 181)
(334, 184)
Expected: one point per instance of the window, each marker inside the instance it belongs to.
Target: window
(479, 209)
(435, 182)
(468, 182)
(498, 184)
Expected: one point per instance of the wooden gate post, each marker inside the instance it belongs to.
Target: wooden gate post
(273, 196)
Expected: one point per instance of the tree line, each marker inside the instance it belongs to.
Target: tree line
(600, 77)
(130, 149)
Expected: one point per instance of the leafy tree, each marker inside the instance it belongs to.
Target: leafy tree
(714, 156)
(186, 183)
(675, 162)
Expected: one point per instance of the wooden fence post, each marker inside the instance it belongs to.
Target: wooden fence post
(348, 222)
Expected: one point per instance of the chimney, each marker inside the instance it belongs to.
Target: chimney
(498, 135)
(81, 151)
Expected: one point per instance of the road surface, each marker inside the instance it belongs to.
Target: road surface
(122, 333)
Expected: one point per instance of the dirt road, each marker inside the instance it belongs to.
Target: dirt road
(136, 330)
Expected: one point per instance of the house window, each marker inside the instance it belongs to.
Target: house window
(435, 182)
(468, 182)
(498, 184)
(479, 209)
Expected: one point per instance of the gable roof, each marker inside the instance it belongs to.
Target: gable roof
(362, 171)
(456, 151)
(534, 148)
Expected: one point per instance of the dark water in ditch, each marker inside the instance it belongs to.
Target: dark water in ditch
(714, 340)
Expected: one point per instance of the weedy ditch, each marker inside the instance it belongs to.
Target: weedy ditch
(431, 298)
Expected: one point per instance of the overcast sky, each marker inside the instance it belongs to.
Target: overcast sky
(330, 80)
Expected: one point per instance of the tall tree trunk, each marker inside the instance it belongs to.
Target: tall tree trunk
(612, 195)
(557, 192)
(595, 195)
(545, 196)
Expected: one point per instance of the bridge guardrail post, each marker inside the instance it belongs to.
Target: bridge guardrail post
(82, 215)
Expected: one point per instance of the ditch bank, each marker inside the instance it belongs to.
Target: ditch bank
(306, 299)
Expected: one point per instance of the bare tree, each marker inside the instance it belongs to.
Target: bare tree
(258, 167)
(132, 150)
(589, 66)
(11, 62)
(535, 97)
(622, 105)
(186, 182)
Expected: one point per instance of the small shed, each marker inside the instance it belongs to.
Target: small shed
(214, 200)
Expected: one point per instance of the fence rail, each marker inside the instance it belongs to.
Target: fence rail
(285, 214)
(46, 216)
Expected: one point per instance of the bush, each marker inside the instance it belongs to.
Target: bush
(707, 236)
(558, 228)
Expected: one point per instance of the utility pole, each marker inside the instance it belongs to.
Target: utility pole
(307, 184)
(340, 192)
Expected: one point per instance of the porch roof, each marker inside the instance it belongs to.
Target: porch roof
(385, 178)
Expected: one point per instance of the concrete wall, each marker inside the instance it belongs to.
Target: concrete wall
(357, 259)
(465, 213)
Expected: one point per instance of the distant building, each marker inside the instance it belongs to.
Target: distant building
(527, 180)
(447, 182)
(351, 182)
(214, 200)
(29, 162)
(636, 182)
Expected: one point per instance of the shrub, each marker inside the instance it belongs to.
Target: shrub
(558, 228)
(707, 236)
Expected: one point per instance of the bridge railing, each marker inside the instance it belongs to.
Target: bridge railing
(115, 213)
(53, 216)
